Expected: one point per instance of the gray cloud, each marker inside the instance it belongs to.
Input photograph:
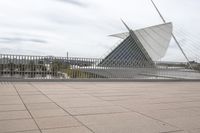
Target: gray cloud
(18, 39)
(20, 51)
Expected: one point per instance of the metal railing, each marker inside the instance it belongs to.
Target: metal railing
(26, 67)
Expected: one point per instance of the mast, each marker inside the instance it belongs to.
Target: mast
(126, 25)
(172, 34)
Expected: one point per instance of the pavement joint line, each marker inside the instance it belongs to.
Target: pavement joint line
(30, 94)
(175, 131)
(177, 102)
(62, 108)
(10, 104)
(22, 131)
(51, 116)
(12, 110)
(16, 119)
(27, 108)
(92, 106)
(195, 107)
(117, 95)
(61, 127)
(102, 113)
(89, 106)
(38, 103)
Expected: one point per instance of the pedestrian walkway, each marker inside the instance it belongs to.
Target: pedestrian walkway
(100, 107)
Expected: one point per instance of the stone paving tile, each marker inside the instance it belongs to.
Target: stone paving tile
(41, 106)
(69, 95)
(8, 92)
(72, 98)
(105, 94)
(29, 93)
(118, 98)
(95, 110)
(10, 100)
(48, 113)
(56, 122)
(80, 129)
(17, 125)
(35, 99)
(15, 107)
(61, 92)
(14, 115)
(84, 103)
(24, 87)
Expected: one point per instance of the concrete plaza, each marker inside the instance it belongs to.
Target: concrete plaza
(100, 107)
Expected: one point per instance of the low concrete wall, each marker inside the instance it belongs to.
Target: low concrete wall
(99, 80)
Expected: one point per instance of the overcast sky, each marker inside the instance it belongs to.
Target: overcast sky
(81, 27)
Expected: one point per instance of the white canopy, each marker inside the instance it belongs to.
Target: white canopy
(155, 39)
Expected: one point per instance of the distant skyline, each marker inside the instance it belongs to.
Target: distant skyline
(81, 27)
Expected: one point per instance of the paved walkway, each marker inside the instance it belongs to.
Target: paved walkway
(100, 107)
